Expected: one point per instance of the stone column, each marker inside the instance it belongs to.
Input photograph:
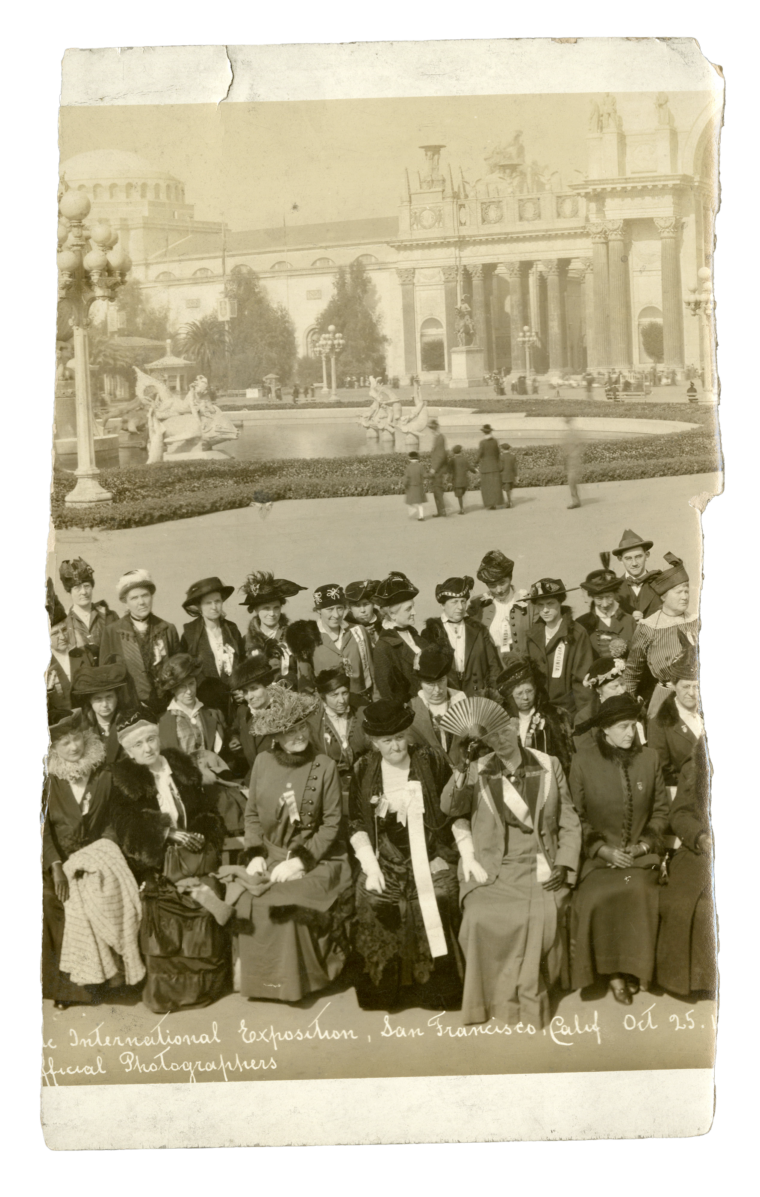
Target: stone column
(409, 319)
(620, 322)
(599, 354)
(450, 304)
(516, 315)
(587, 307)
(556, 309)
(672, 297)
(481, 312)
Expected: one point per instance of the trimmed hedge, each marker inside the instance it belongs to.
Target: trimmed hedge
(152, 494)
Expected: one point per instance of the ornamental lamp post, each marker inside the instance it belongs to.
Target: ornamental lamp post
(702, 305)
(528, 339)
(329, 345)
(91, 266)
(323, 349)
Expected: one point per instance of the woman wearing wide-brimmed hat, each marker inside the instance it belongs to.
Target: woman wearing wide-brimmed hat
(677, 727)
(488, 463)
(86, 618)
(214, 639)
(75, 807)
(606, 620)
(265, 597)
(103, 692)
(407, 896)
(292, 892)
(251, 680)
(660, 638)
(187, 723)
(558, 645)
(620, 795)
(140, 639)
(165, 822)
(687, 938)
(399, 644)
(542, 725)
(343, 646)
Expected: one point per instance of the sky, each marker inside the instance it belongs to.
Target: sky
(339, 159)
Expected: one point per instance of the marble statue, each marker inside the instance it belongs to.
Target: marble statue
(215, 427)
(662, 109)
(385, 418)
(595, 118)
(181, 427)
(417, 420)
(610, 119)
(465, 326)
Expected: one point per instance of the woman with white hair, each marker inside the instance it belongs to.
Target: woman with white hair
(140, 639)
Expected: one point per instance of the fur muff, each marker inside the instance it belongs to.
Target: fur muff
(249, 854)
(305, 856)
(302, 638)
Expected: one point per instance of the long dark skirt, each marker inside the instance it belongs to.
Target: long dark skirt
(58, 986)
(614, 925)
(187, 954)
(490, 489)
(396, 966)
(292, 939)
(686, 944)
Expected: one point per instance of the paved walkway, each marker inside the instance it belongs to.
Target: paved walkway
(339, 540)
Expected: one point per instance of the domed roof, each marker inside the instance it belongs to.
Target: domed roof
(111, 164)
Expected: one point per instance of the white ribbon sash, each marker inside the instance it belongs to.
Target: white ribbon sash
(288, 800)
(361, 644)
(409, 807)
(559, 659)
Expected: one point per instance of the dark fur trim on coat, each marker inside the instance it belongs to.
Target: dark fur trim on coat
(249, 854)
(610, 753)
(142, 835)
(651, 836)
(434, 632)
(305, 856)
(291, 760)
(302, 638)
(668, 713)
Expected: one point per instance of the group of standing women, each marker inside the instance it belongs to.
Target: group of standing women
(467, 816)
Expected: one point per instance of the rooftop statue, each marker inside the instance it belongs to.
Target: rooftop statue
(506, 166)
(662, 109)
(609, 113)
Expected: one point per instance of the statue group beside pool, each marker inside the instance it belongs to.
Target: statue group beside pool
(386, 415)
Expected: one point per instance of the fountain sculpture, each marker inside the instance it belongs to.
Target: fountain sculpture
(182, 428)
(385, 417)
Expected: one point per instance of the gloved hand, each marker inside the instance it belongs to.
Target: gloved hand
(471, 870)
(257, 865)
(288, 870)
(365, 854)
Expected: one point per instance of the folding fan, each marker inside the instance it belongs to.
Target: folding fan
(475, 718)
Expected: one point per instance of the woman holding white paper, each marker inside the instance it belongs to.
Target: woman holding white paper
(407, 909)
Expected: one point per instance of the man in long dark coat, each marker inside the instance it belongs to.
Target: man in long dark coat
(488, 462)
(439, 465)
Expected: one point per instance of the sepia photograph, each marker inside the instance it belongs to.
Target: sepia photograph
(329, 795)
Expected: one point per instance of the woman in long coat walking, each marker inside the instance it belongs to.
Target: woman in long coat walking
(619, 793)
(415, 495)
(488, 462)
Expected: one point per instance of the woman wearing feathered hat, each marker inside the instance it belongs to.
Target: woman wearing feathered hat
(542, 725)
(659, 638)
(407, 907)
(164, 821)
(140, 639)
(399, 644)
(475, 663)
(504, 610)
(620, 795)
(292, 891)
(86, 619)
(343, 646)
(604, 680)
(103, 693)
(75, 808)
(265, 597)
(606, 620)
(559, 645)
(677, 727)
(488, 463)
(213, 639)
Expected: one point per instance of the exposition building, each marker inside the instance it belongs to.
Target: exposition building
(583, 263)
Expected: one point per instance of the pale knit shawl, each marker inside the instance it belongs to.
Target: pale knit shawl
(103, 913)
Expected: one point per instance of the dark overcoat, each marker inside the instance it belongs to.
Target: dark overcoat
(647, 601)
(213, 687)
(119, 638)
(482, 663)
(394, 664)
(673, 741)
(621, 627)
(566, 689)
(521, 618)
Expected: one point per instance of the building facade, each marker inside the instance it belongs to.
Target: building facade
(572, 271)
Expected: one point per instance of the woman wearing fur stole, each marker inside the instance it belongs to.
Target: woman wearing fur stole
(293, 890)
(75, 812)
(164, 821)
(618, 790)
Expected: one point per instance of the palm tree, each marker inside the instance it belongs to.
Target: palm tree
(203, 341)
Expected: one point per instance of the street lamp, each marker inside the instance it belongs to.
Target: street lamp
(702, 305)
(91, 266)
(328, 345)
(527, 339)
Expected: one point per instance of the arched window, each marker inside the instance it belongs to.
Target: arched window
(282, 265)
(166, 276)
(367, 259)
(241, 268)
(98, 191)
(432, 349)
(157, 191)
(143, 191)
(203, 272)
(651, 348)
(320, 262)
(311, 337)
(113, 191)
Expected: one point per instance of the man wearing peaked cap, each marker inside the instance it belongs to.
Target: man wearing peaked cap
(636, 592)
(86, 619)
(346, 647)
(362, 611)
(475, 663)
(503, 610)
(433, 700)
(140, 639)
